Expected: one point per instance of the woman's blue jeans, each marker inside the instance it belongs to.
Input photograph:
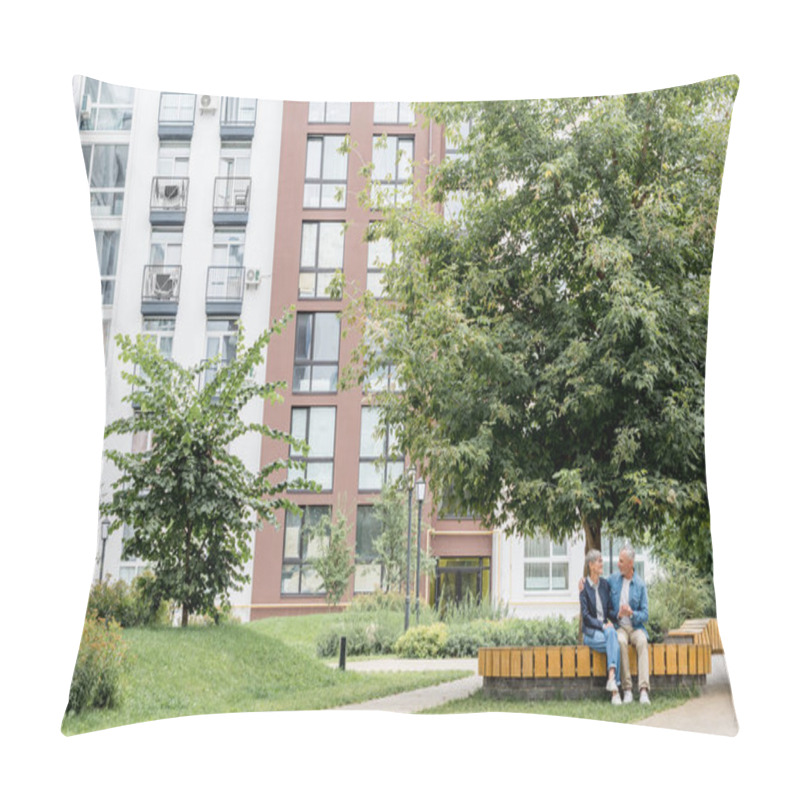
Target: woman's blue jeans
(605, 641)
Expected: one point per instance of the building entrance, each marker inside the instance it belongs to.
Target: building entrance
(459, 580)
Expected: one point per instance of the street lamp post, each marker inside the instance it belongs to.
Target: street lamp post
(103, 538)
(411, 475)
(420, 500)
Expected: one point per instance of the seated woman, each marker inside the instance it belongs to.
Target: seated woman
(599, 621)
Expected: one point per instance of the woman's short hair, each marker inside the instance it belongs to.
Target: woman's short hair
(592, 556)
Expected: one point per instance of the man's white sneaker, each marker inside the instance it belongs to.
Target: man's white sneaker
(643, 697)
(628, 696)
(611, 685)
(615, 701)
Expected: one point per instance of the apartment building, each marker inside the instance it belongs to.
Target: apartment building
(212, 213)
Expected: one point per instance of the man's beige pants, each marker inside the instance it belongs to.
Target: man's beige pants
(638, 639)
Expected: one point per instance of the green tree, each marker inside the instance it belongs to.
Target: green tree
(192, 504)
(335, 566)
(551, 335)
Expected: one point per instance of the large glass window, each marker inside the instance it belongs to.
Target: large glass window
(369, 573)
(238, 111)
(378, 463)
(165, 247)
(161, 331)
(298, 575)
(173, 160)
(329, 112)
(393, 113)
(316, 353)
(392, 157)
(321, 255)
(176, 108)
(106, 167)
(546, 566)
(107, 252)
(228, 249)
(221, 338)
(316, 426)
(234, 161)
(105, 107)
(380, 254)
(326, 173)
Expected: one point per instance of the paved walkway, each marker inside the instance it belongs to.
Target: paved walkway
(712, 712)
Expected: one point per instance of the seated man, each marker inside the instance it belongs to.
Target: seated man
(597, 617)
(629, 598)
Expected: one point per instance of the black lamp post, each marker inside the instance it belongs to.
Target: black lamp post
(420, 500)
(411, 475)
(103, 538)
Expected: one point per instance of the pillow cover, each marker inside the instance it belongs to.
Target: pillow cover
(520, 397)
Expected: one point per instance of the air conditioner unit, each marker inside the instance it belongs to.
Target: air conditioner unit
(207, 104)
(252, 277)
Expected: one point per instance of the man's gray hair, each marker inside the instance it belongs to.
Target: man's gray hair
(628, 548)
(592, 556)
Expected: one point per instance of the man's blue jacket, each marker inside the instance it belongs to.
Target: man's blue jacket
(637, 599)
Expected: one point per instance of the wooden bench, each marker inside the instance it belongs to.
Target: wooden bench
(573, 672)
(697, 631)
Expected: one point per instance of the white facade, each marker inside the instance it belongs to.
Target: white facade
(196, 244)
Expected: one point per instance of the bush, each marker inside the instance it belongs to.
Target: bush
(96, 682)
(372, 634)
(131, 606)
(678, 593)
(423, 641)
(472, 608)
(463, 640)
(377, 601)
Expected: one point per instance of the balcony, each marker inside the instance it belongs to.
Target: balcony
(168, 201)
(161, 285)
(176, 117)
(231, 201)
(224, 291)
(237, 121)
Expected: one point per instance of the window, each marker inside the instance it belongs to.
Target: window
(228, 249)
(321, 255)
(316, 426)
(329, 112)
(106, 166)
(377, 462)
(238, 111)
(326, 173)
(221, 337)
(453, 507)
(130, 568)
(234, 161)
(392, 157)
(369, 572)
(611, 548)
(161, 331)
(176, 108)
(173, 160)
(545, 564)
(107, 251)
(393, 113)
(105, 107)
(454, 201)
(380, 254)
(299, 551)
(165, 247)
(316, 353)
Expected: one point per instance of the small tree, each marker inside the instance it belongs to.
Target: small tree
(335, 566)
(193, 505)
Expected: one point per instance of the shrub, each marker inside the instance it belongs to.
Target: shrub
(678, 593)
(96, 682)
(463, 640)
(366, 635)
(377, 601)
(473, 608)
(134, 605)
(423, 641)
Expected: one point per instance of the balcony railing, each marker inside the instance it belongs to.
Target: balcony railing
(161, 285)
(176, 116)
(224, 291)
(231, 201)
(237, 121)
(168, 198)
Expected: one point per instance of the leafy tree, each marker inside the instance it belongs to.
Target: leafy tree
(550, 335)
(192, 504)
(335, 566)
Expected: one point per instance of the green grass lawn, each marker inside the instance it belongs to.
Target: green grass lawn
(585, 709)
(183, 671)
